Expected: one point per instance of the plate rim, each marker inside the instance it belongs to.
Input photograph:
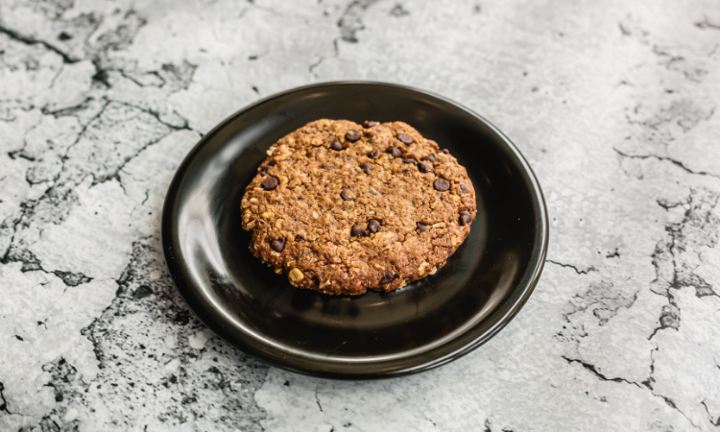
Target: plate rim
(536, 261)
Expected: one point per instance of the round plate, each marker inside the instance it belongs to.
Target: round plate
(424, 325)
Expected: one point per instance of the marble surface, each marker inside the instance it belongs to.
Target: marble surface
(613, 103)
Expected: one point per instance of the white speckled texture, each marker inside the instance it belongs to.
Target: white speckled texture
(614, 104)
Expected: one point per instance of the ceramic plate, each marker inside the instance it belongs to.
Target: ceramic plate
(424, 325)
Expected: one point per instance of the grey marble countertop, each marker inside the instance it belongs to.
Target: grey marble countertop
(614, 104)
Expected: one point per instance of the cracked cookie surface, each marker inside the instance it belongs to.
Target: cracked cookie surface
(342, 208)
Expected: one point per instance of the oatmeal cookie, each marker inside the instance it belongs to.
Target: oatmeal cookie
(342, 208)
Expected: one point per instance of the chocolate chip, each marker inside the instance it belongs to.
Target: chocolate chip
(464, 188)
(446, 151)
(373, 225)
(405, 139)
(375, 154)
(395, 152)
(410, 161)
(299, 237)
(441, 185)
(345, 195)
(336, 145)
(369, 123)
(269, 183)
(278, 245)
(425, 167)
(387, 278)
(352, 135)
(421, 227)
(430, 158)
(465, 218)
(356, 231)
(365, 167)
(264, 170)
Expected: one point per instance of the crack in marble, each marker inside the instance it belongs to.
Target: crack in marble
(650, 380)
(156, 115)
(138, 83)
(147, 196)
(172, 76)
(671, 403)
(317, 400)
(668, 159)
(31, 263)
(592, 369)
(61, 69)
(715, 422)
(84, 128)
(68, 111)
(319, 61)
(14, 35)
(3, 401)
(669, 318)
(577, 270)
(116, 174)
(667, 205)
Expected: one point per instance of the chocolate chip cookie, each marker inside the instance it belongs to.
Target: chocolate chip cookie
(343, 208)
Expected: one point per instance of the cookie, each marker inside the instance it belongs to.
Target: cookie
(342, 208)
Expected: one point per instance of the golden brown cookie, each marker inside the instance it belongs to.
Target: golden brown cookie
(343, 208)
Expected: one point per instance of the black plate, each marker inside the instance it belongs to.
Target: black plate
(424, 325)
